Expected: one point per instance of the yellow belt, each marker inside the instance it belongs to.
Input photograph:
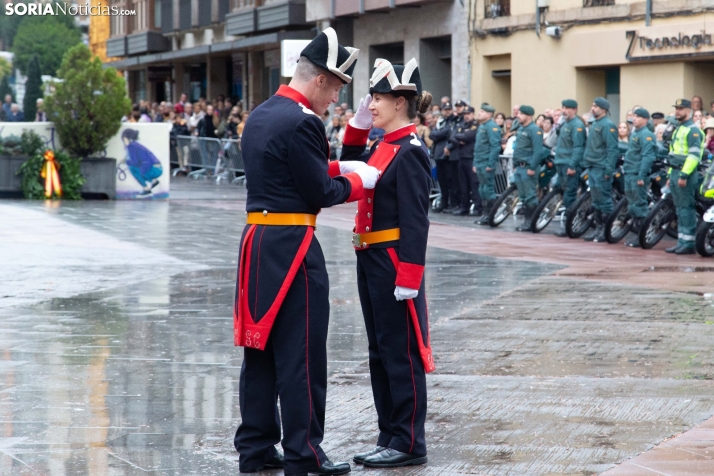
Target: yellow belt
(361, 240)
(281, 219)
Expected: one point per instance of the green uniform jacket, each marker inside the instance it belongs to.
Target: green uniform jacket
(571, 143)
(601, 147)
(487, 147)
(695, 141)
(640, 153)
(529, 146)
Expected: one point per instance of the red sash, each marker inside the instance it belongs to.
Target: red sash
(248, 333)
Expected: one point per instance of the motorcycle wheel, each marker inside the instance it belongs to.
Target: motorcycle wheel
(619, 223)
(504, 206)
(579, 217)
(704, 242)
(656, 224)
(546, 210)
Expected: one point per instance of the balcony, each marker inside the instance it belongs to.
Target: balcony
(116, 47)
(598, 3)
(497, 8)
(241, 22)
(281, 15)
(146, 42)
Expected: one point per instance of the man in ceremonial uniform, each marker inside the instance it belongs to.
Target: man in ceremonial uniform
(282, 308)
(685, 152)
(527, 153)
(600, 159)
(487, 149)
(638, 163)
(569, 153)
(462, 141)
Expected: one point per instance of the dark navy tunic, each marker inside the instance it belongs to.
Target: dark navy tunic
(282, 307)
(397, 331)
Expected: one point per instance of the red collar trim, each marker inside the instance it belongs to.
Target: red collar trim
(400, 133)
(290, 93)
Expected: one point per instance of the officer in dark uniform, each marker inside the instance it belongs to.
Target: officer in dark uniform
(527, 153)
(569, 154)
(444, 167)
(282, 306)
(600, 158)
(454, 157)
(487, 149)
(637, 167)
(391, 231)
(463, 139)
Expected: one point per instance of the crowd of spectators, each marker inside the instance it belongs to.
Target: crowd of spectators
(11, 112)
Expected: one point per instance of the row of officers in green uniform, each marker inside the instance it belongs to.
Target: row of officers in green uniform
(579, 148)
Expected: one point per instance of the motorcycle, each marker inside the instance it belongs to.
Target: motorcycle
(704, 241)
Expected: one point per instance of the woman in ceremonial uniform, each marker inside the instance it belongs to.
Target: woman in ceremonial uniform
(390, 240)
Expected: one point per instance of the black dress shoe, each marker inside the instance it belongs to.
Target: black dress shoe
(672, 249)
(328, 467)
(460, 212)
(391, 458)
(359, 457)
(561, 233)
(684, 251)
(276, 462)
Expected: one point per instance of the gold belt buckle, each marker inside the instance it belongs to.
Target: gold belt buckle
(356, 241)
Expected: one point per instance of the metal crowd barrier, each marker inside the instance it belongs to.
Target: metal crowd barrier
(502, 173)
(205, 157)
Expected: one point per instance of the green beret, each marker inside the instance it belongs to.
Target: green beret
(642, 112)
(572, 103)
(527, 110)
(487, 107)
(602, 103)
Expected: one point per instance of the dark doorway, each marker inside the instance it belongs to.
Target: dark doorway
(435, 66)
(392, 52)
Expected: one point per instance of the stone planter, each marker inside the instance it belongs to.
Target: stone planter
(101, 178)
(10, 182)
(100, 175)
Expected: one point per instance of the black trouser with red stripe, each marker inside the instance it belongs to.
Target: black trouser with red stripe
(293, 367)
(395, 366)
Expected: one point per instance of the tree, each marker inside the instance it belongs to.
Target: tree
(5, 68)
(10, 24)
(5, 89)
(45, 37)
(88, 104)
(33, 89)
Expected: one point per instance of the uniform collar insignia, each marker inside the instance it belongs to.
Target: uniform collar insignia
(400, 133)
(290, 93)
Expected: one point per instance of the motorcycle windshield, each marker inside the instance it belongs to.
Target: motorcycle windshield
(708, 185)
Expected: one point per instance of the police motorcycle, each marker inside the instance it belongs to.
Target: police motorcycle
(552, 202)
(580, 217)
(662, 217)
(620, 223)
(508, 202)
(704, 241)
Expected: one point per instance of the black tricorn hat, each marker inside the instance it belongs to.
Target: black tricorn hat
(327, 53)
(388, 78)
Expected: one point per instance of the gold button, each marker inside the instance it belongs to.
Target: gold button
(265, 213)
(369, 215)
(369, 200)
(366, 228)
(364, 245)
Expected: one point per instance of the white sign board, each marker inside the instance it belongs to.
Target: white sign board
(289, 55)
(140, 149)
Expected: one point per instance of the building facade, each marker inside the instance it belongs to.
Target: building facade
(233, 47)
(540, 52)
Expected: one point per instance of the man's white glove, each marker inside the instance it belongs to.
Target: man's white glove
(369, 176)
(363, 117)
(350, 166)
(402, 293)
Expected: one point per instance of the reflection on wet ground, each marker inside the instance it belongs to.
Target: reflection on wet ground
(137, 372)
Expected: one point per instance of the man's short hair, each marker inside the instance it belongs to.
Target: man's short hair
(307, 70)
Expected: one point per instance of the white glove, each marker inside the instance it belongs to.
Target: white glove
(350, 166)
(369, 176)
(402, 293)
(363, 117)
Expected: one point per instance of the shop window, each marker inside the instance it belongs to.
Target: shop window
(497, 8)
(598, 3)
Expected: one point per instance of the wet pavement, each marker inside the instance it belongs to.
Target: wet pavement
(553, 357)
